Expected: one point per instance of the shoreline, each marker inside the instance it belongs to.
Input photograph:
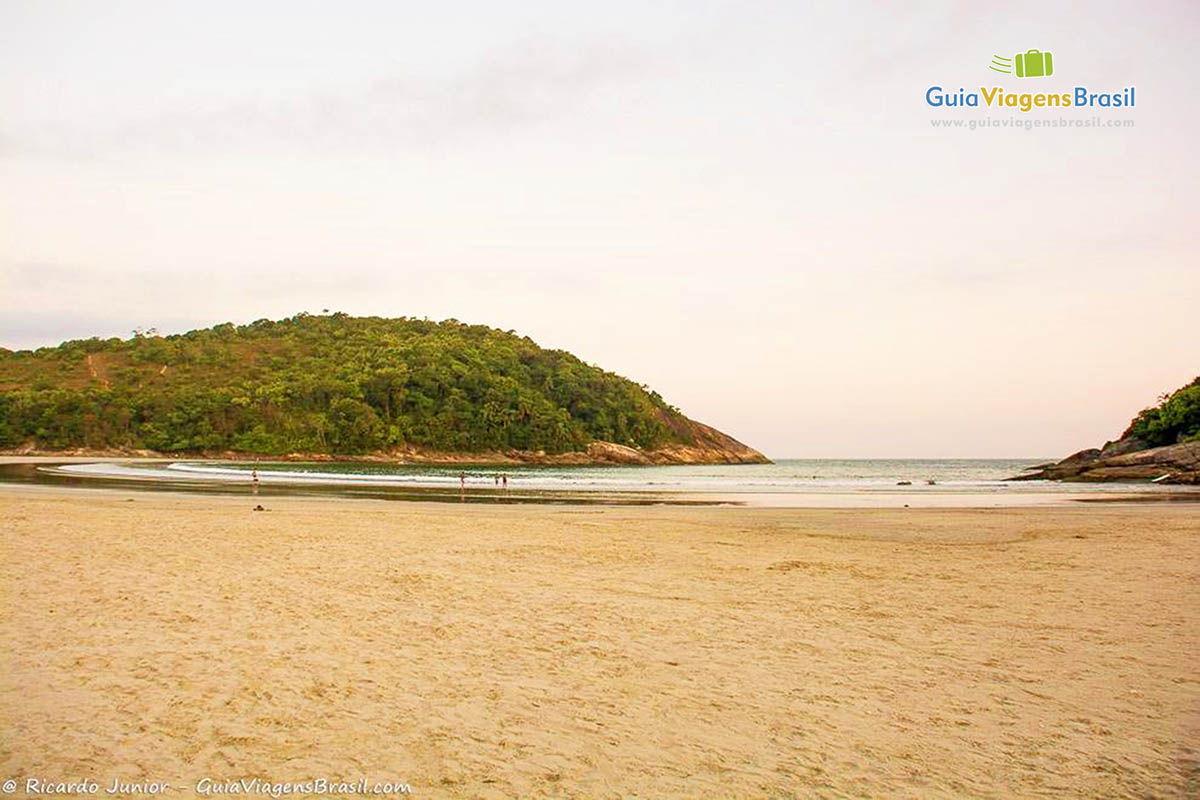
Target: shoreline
(39, 471)
(598, 454)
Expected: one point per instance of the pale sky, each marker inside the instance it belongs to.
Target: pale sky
(743, 205)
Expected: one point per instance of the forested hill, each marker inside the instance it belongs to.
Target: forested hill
(342, 385)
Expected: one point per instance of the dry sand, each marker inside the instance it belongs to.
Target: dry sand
(501, 651)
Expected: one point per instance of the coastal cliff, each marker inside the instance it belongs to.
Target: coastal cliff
(1177, 464)
(336, 387)
(1161, 444)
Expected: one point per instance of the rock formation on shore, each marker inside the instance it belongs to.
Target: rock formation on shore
(1177, 463)
(1162, 445)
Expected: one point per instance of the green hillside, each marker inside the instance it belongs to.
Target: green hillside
(325, 384)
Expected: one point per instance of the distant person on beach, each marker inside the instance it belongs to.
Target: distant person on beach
(504, 479)
(497, 477)
(462, 480)
(254, 481)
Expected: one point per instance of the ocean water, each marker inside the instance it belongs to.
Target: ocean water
(787, 482)
(789, 475)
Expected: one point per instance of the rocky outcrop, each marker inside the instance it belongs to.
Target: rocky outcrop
(1123, 460)
(711, 447)
(607, 452)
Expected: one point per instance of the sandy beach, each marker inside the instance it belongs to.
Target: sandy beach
(502, 651)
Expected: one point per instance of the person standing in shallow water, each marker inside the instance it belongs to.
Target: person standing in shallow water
(254, 481)
(504, 479)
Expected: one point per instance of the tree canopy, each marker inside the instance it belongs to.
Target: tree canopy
(1175, 419)
(324, 384)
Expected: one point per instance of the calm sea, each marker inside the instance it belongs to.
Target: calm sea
(789, 475)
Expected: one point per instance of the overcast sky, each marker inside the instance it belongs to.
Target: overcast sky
(742, 205)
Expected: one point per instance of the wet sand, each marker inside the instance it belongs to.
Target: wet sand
(499, 651)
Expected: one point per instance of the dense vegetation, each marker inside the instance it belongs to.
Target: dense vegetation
(323, 384)
(1175, 419)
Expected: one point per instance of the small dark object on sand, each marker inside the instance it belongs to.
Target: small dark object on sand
(259, 508)
(904, 483)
